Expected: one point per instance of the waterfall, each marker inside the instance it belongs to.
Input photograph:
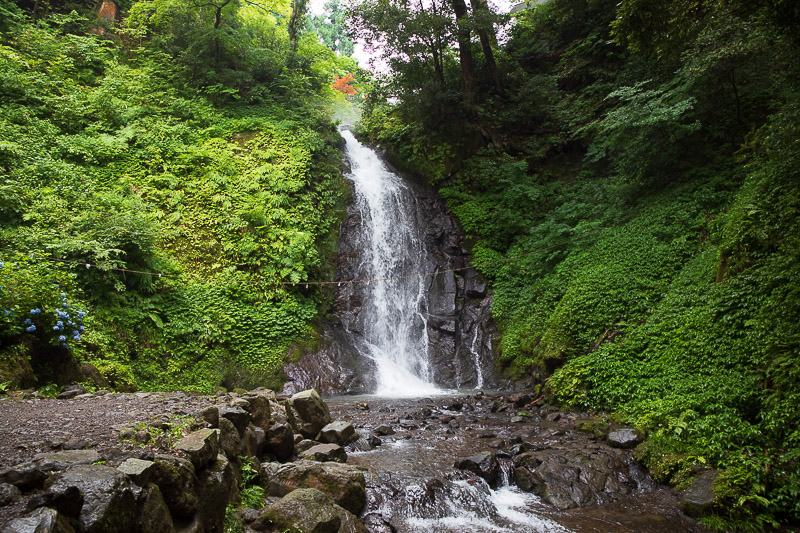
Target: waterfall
(394, 314)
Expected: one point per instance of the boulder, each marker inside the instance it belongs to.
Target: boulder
(210, 415)
(325, 453)
(109, 503)
(176, 479)
(42, 520)
(65, 459)
(200, 446)
(625, 438)
(259, 409)
(229, 439)
(338, 432)
(483, 464)
(344, 483)
(383, 430)
(138, 470)
(306, 510)
(350, 522)
(8, 494)
(219, 485)
(250, 442)
(280, 441)
(25, 476)
(568, 478)
(311, 411)
(237, 415)
(698, 499)
(153, 515)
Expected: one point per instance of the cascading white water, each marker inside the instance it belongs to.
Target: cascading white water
(394, 308)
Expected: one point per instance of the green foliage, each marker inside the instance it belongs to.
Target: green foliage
(634, 202)
(252, 491)
(185, 178)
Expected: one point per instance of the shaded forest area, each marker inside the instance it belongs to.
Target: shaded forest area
(627, 174)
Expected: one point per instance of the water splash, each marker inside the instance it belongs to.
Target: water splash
(392, 258)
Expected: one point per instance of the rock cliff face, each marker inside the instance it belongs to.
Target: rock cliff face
(455, 314)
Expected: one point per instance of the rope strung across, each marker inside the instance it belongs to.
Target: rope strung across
(351, 282)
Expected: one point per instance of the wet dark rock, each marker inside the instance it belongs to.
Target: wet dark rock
(338, 432)
(568, 478)
(483, 464)
(9, 494)
(211, 415)
(238, 416)
(363, 406)
(64, 459)
(312, 412)
(259, 409)
(376, 523)
(305, 444)
(71, 392)
(24, 476)
(218, 485)
(520, 399)
(138, 470)
(698, 499)
(42, 520)
(306, 510)
(153, 515)
(250, 442)
(383, 430)
(280, 441)
(344, 483)
(229, 439)
(374, 441)
(109, 504)
(625, 438)
(324, 453)
(77, 443)
(200, 446)
(176, 479)
(349, 522)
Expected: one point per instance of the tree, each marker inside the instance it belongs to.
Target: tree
(342, 84)
(331, 29)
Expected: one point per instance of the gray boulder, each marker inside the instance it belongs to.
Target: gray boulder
(153, 516)
(229, 439)
(201, 446)
(237, 415)
(325, 453)
(311, 411)
(42, 520)
(65, 459)
(25, 476)
(338, 432)
(483, 464)
(109, 503)
(306, 510)
(344, 483)
(280, 441)
(259, 409)
(625, 438)
(176, 479)
(8, 494)
(699, 498)
(219, 485)
(138, 470)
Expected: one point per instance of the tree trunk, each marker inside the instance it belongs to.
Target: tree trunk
(465, 53)
(486, 33)
(298, 11)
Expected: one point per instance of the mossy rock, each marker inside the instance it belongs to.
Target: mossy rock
(15, 368)
(594, 425)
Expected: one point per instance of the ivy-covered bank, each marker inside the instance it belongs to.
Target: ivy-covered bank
(165, 180)
(633, 196)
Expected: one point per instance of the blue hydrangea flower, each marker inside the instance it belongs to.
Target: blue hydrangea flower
(36, 311)
(77, 338)
(31, 328)
(81, 329)
(27, 322)
(62, 338)
(81, 314)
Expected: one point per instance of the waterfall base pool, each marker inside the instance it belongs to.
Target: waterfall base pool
(413, 485)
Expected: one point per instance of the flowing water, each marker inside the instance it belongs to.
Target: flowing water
(392, 245)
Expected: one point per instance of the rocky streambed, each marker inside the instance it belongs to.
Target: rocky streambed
(176, 462)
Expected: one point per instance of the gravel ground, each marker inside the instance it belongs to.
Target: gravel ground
(31, 426)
